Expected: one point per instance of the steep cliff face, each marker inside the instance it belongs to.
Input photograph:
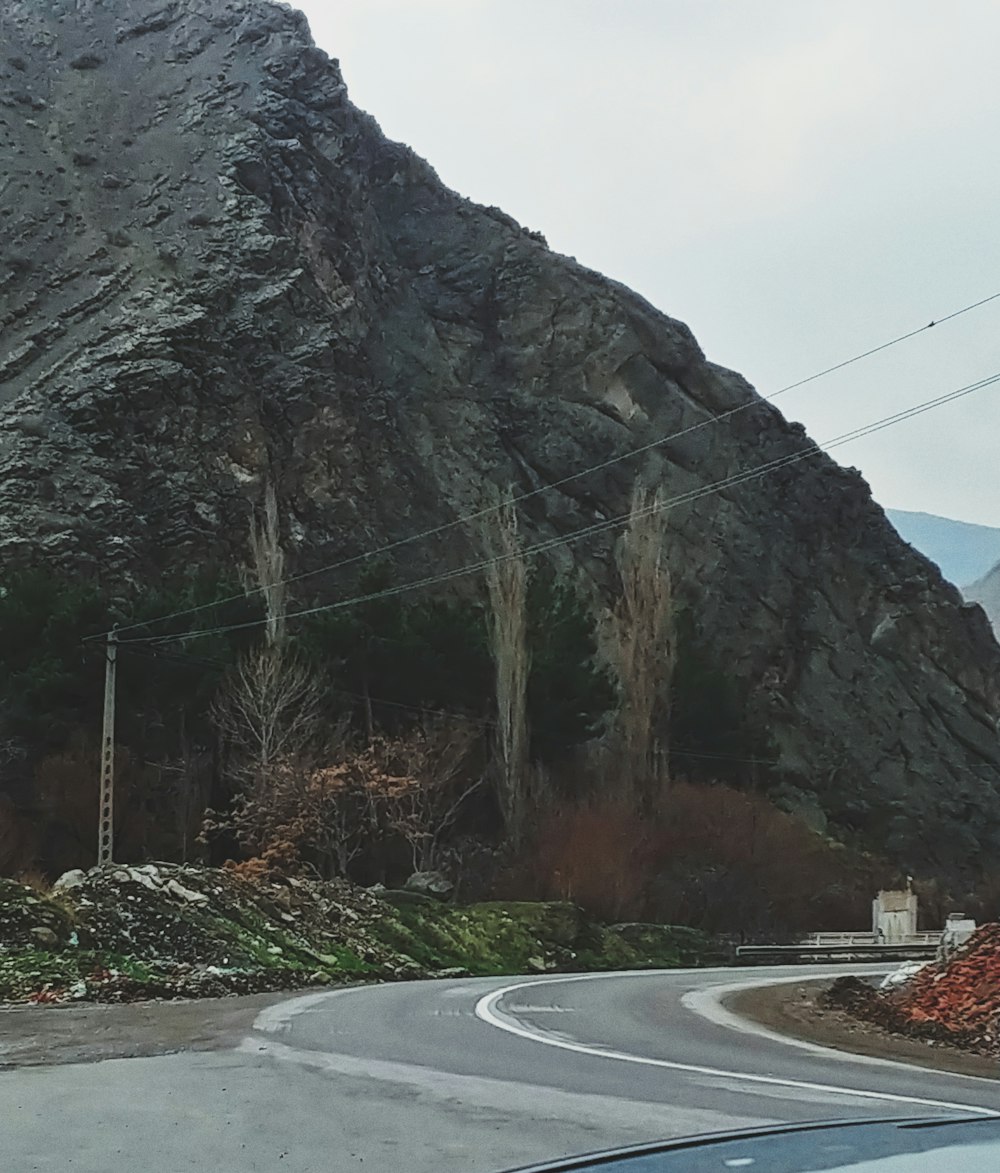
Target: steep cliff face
(218, 272)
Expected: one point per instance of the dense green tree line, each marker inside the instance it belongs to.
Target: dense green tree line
(382, 664)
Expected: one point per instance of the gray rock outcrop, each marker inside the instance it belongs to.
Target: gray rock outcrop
(435, 884)
(217, 272)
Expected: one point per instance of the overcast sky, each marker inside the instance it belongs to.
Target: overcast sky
(798, 180)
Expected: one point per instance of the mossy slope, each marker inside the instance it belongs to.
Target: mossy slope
(167, 931)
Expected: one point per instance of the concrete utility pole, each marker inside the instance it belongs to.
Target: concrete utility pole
(105, 821)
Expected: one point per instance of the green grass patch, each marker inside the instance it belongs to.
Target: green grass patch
(509, 937)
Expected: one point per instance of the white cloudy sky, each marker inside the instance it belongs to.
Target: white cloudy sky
(798, 180)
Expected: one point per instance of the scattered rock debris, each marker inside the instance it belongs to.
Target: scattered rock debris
(124, 933)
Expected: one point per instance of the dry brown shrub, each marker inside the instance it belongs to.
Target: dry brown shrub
(304, 818)
(67, 786)
(731, 861)
(35, 879)
(714, 857)
(411, 787)
(252, 869)
(598, 853)
(420, 782)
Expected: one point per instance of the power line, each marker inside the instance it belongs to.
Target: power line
(732, 481)
(610, 462)
(170, 656)
(381, 702)
(599, 527)
(185, 658)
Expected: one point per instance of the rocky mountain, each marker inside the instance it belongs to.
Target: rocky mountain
(986, 591)
(963, 551)
(217, 273)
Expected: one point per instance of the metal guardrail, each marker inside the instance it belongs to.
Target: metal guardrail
(919, 947)
(866, 938)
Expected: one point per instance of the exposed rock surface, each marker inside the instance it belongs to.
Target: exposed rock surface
(216, 271)
(434, 884)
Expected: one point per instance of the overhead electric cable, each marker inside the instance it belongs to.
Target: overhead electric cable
(610, 462)
(732, 481)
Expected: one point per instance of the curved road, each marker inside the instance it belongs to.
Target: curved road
(479, 1074)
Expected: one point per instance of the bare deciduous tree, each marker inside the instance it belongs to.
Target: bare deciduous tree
(507, 583)
(316, 818)
(641, 643)
(420, 783)
(269, 712)
(337, 810)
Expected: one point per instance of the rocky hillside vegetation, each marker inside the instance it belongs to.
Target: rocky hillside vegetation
(165, 931)
(230, 306)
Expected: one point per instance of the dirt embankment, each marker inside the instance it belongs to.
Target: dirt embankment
(124, 934)
(800, 1010)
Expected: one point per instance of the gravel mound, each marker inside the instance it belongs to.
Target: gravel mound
(166, 930)
(159, 930)
(957, 1001)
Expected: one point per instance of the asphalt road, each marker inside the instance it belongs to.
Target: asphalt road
(477, 1075)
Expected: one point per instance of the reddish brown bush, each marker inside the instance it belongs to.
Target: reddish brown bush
(732, 861)
(409, 789)
(713, 857)
(598, 853)
(255, 868)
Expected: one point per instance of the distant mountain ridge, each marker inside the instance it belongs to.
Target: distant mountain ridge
(986, 592)
(965, 552)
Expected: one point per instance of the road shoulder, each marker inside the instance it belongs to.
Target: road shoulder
(32, 1036)
(791, 1009)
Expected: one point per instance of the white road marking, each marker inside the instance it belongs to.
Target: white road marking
(486, 1011)
(275, 1019)
(542, 1010)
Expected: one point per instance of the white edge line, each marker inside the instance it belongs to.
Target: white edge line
(486, 1012)
(274, 1019)
(707, 1004)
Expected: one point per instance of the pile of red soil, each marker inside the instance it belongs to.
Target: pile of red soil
(963, 994)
